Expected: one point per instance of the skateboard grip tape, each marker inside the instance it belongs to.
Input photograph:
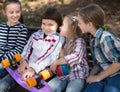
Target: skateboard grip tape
(5, 63)
(31, 82)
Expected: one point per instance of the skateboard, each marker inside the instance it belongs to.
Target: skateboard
(11, 67)
(61, 70)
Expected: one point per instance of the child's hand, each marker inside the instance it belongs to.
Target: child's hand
(53, 67)
(28, 73)
(93, 78)
(22, 67)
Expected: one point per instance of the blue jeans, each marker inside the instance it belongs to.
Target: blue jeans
(6, 81)
(58, 85)
(111, 84)
(3, 71)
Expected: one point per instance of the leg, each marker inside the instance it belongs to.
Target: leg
(75, 85)
(3, 71)
(7, 83)
(57, 85)
(95, 87)
(112, 84)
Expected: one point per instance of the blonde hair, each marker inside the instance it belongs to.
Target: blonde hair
(75, 33)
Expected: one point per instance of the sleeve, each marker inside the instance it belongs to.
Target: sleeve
(53, 55)
(112, 48)
(28, 48)
(20, 43)
(78, 54)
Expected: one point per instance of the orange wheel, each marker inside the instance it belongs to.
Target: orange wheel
(31, 82)
(17, 57)
(5, 63)
(45, 74)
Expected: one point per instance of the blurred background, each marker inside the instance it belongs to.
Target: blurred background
(32, 9)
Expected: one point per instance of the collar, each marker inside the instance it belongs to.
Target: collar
(99, 33)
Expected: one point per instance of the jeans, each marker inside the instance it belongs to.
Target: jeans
(3, 71)
(111, 84)
(6, 81)
(58, 85)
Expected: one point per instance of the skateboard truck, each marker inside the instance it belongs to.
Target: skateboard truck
(13, 63)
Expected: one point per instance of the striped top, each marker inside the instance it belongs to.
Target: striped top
(78, 61)
(40, 52)
(12, 40)
(105, 48)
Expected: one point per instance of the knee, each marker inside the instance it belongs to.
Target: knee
(55, 88)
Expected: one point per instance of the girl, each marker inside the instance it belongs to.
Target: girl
(105, 48)
(74, 55)
(13, 35)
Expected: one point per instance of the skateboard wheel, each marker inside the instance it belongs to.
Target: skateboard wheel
(31, 82)
(62, 70)
(45, 74)
(17, 57)
(5, 63)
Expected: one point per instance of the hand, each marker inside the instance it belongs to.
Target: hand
(93, 78)
(53, 67)
(28, 73)
(22, 67)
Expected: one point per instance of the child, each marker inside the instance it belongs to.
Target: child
(42, 49)
(13, 34)
(44, 46)
(73, 54)
(105, 48)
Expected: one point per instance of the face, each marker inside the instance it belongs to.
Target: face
(82, 25)
(65, 28)
(13, 13)
(49, 26)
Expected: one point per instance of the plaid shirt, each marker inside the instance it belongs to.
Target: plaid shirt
(78, 61)
(105, 48)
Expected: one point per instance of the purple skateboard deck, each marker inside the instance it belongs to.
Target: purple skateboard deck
(17, 77)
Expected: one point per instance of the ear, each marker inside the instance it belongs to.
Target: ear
(90, 24)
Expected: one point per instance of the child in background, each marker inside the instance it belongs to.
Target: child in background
(105, 48)
(13, 33)
(74, 55)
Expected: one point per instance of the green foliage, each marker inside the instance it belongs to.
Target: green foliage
(62, 1)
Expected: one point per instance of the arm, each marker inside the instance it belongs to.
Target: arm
(20, 43)
(95, 70)
(113, 54)
(78, 54)
(113, 68)
(51, 56)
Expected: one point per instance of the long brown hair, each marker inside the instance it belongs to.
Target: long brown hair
(75, 33)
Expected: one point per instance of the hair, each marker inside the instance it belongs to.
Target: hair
(93, 13)
(53, 14)
(7, 2)
(75, 33)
